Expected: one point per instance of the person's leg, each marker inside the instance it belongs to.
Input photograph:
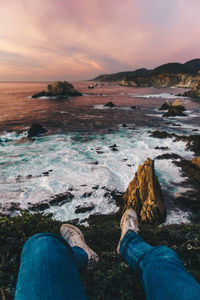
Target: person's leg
(162, 274)
(48, 269)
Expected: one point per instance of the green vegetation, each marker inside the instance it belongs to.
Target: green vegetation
(111, 278)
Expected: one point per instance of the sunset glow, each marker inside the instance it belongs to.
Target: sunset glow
(73, 40)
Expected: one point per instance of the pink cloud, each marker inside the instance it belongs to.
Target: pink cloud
(65, 39)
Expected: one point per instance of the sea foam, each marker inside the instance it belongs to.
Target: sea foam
(85, 166)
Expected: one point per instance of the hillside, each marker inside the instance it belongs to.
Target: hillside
(191, 67)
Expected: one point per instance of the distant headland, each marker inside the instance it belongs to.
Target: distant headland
(185, 75)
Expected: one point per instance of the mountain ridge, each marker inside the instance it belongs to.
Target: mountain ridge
(191, 67)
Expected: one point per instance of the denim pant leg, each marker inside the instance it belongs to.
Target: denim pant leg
(48, 269)
(162, 274)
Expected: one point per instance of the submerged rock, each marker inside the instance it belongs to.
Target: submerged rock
(109, 104)
(161, 134)
(145, 196)
(168, 156)
(58, 89)
(56, 200)
(36, 129)
(83, 209)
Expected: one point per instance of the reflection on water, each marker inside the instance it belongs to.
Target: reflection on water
(78, 113)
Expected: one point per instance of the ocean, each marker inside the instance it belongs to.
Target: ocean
(76, 156)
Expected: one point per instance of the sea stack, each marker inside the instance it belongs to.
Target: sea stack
(144, 195)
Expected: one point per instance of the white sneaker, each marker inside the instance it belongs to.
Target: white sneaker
(129, 221)
(75, 237)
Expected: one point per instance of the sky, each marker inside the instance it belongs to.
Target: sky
(45, 40)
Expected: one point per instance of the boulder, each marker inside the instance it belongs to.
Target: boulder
(196, 161)
(36, 129)
(109, 104)
(58, 89)
(167, 105)
(144, 195)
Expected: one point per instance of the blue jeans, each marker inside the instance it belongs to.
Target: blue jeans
(48, 270)
(161, 272)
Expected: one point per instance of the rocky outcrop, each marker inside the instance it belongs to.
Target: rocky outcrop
(196, 161)
(194, 92)
(171, 74)
(36, 129)
(161, 80)
(166, 106)
(58, 89)
(145, 196)
(174, 109)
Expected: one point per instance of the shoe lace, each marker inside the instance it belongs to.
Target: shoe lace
(69, 237)
(130, 222)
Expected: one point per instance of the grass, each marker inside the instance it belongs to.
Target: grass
(111, 278)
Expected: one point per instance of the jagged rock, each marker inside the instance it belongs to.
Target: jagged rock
(190, 170)
(196, 161)
(58, 89)
(109, 104)
(178, 105)
(194, 92)
(36, 129)
(174, 109)
(174, 112)
(167, 105)
(145, 196)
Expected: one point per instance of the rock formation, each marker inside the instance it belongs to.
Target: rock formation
(194, 92)
(36, 129)
(196, 161)
(166, 106)
(58, 89)
(172, 74)
(174, 109)
(145, 196)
